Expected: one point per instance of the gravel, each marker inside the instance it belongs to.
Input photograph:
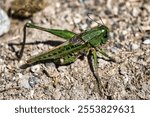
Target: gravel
(4, 22)
(146, 41)
(129, 44)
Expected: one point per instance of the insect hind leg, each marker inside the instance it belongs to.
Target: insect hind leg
(65, 34)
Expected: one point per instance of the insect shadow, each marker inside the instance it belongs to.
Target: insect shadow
(48, 42)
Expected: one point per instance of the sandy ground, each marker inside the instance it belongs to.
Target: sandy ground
(129, 42)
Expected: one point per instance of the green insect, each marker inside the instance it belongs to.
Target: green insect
(85, 43)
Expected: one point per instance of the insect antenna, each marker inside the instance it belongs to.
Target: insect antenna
(92, 19)
(102, 23)
(101, 20)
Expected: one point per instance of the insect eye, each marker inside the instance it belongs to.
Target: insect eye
(106, 35)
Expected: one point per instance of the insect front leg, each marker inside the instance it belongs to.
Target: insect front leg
(106, 55)
(65, 34)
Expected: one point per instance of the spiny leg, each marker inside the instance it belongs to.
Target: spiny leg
(94, 68)
(65, 34)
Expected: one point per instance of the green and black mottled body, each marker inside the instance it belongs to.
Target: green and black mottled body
(62, 55)
(86, 43)
(74, 47)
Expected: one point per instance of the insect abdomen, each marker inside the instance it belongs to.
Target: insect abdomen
(58, 53)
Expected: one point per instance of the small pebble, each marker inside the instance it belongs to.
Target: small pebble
(115, 10)
(4, 22)
(57, 95)
(19, 75)
(102, 63)
(118, 45)
(126, 79)
(50, 65)
(62, 68)
(32, 81)
(58, 4)
(136, 11)
(114, 49)
(124, 32)
(32, 93)
(134, 46)
(1, 61)
(146, 41)
(123, 70)
(51, 70)
(35, 68)
(24, 82)
(77, 18)
(84, 26)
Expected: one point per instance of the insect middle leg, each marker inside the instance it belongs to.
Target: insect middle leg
(94, 68)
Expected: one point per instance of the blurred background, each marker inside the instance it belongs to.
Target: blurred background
(129, 41)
